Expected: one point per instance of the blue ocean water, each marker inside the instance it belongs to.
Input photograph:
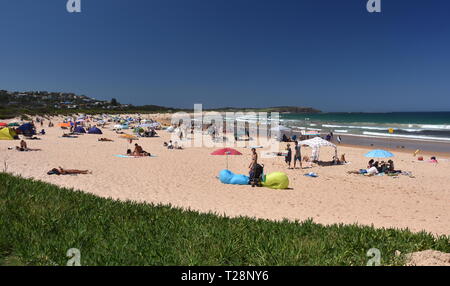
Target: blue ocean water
(433, 126)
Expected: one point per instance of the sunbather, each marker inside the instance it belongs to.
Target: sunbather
(369, 171)
(105, 140)
(23, 147)
(61, 171)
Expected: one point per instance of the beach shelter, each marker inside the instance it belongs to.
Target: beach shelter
(316, 143)
(94, 130)
(79, 129)
(279, 131)
(7, 134)
(27, 129)
(379, 154)
(226, 152)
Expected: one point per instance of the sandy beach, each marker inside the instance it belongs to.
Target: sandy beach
(187, 179)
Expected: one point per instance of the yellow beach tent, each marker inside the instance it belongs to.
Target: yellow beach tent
(7, 134)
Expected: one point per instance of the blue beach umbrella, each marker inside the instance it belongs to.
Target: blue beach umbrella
(379, 154)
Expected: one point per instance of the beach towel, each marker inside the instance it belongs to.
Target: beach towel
(312, 175)
(127, 156)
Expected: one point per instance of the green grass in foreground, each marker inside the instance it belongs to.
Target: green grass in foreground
(40, 222)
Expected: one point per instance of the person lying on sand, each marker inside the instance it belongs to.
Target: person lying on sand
(373, 170)
(61, 171)
(23, 147)
(65, 135)
(105, 140)
(368, 172)
(26, 150)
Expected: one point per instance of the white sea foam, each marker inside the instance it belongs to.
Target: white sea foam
(434, 127)
(412, 137)
(356, 127)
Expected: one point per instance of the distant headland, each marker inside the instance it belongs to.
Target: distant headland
(17, 103)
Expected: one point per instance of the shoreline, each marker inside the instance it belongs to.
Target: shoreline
(427, 148)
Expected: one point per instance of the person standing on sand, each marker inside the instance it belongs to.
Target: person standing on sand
(288, 158)
(298, 155)
(254, 160)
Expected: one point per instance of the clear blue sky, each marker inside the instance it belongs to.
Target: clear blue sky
(329, 54)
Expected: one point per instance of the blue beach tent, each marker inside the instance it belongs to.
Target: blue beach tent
(95, 130)
(27, 129)
(79, 129)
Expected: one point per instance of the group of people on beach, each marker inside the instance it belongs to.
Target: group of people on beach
(375, 167)
(297, 155)
(172, 145)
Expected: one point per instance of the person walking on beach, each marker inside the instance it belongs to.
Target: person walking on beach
(288, 157)
(298, 155)
(254, 160)
(339, 139)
